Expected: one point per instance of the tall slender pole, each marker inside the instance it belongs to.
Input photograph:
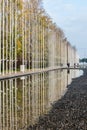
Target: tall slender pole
(12, 36)
(7, 39)
(23, 48)
(3, 39)
(15, 41)
(10, 40)
(43, 42)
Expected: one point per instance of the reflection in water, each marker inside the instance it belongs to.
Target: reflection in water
(24, 99)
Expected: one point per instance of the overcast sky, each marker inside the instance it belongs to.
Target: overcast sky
(71, 16)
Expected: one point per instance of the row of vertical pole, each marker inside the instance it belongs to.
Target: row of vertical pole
(29, 38)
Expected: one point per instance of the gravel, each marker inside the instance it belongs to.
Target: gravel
(68, 113)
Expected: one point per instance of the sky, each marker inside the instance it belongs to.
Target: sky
(71, 17)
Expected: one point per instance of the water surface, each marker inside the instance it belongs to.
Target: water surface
(24, 99)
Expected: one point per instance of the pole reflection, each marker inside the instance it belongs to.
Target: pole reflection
(24, 99)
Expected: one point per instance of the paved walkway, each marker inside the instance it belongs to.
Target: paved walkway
(28, 72)
(70, 112)
(31, 72)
